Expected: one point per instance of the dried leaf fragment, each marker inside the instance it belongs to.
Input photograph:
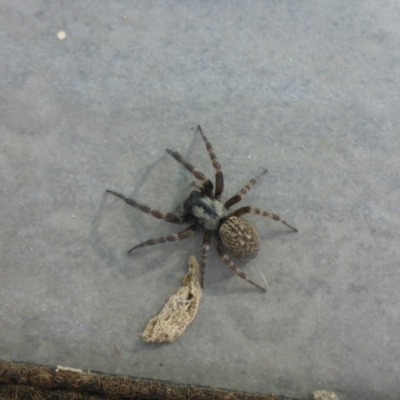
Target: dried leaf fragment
(325, 395)
(179, 311)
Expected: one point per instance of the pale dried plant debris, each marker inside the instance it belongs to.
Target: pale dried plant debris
(61, 368)
(325, 395)
(61, 35)
(179, 311)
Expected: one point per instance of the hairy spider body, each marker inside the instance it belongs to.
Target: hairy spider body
(204, 210)
(237, 234)
(240, 238)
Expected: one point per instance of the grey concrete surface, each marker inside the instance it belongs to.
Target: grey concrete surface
(307, 89)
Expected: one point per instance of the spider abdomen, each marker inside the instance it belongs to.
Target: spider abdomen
(240, 238)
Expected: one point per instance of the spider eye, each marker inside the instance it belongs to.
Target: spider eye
(208, 187)
(193, 199)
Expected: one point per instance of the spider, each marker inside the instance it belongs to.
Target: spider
(205, 210)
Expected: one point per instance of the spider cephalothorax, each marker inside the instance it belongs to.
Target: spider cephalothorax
(204, 209)
(206, 212)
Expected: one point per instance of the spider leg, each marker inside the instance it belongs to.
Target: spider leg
(239, 196)
(254, 210)
(233, 267)
(219, 176)
(204, 252)
(169, 217)
(207, 184)
(186, 233)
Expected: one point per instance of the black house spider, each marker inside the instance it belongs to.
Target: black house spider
(205, 210)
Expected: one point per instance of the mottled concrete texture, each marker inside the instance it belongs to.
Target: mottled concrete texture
(307, 89)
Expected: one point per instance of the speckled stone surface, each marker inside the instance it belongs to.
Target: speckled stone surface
(308, 90)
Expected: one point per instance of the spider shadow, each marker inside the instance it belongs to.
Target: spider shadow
(111, 253)
(154, 256)
(184, 184)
